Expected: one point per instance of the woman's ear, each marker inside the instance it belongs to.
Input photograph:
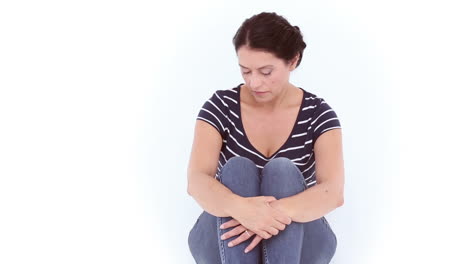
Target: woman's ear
(293, 63)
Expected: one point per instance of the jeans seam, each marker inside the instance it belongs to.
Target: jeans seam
(265, 253)
(300, 177)
(325, 222)
(220, 242)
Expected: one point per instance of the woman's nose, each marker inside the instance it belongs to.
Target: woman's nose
(254, 82)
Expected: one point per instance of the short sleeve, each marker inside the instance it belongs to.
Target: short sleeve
(324, 119)
(214, 112)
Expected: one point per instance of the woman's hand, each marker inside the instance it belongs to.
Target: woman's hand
(257, 215)
(240, 229)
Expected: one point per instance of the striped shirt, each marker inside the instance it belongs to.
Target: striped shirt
(315, 117)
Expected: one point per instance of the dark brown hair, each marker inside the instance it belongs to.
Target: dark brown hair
(271, 33)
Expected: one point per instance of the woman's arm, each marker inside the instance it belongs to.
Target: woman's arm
(327, 194)
(213, 197)
(220, 201)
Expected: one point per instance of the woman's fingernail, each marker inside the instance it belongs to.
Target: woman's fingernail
(222, 226)
(223, 237)
(230, 244)
(246, 250)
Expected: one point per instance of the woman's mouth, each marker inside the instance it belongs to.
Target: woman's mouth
(260, 93)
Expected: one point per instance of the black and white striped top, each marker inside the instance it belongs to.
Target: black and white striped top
(222, 111)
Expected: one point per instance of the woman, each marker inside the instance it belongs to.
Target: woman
(266, 162)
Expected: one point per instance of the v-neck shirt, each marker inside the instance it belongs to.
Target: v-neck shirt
(250, 145)
(223, 111)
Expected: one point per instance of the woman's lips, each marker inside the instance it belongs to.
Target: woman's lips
(260, 93)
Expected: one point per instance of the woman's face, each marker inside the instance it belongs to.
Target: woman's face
(265, 75)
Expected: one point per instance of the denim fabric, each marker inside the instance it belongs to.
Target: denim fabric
(312, 242)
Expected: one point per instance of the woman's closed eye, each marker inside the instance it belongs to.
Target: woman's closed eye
(262, 73)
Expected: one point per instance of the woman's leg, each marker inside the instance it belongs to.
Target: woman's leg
(202, 240)
(319, 244)
(313, 242)
(242, 177)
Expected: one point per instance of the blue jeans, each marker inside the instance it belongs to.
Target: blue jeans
(312, 242)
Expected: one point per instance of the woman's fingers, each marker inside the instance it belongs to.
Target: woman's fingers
(264, 234)
(272, 231)
(234, 232)
(243, 237)
(283, 219)
(279, 226)
(230, 223)
(254, 243)
(270, 199)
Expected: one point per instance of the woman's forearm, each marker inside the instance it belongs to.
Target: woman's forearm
(212, 196)
(312, 203)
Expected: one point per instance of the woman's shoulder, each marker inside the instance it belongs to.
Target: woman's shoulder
(223, 100)
(232, 92)
(311, 98)
(228, 97)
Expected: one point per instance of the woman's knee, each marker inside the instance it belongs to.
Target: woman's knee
(282, 178)
(282, 167)
(238, 168)
(239, 161)
(241, 176)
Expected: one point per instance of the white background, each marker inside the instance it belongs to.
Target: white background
(98, 101)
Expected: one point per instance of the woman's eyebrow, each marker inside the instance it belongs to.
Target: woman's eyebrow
(258, 68)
